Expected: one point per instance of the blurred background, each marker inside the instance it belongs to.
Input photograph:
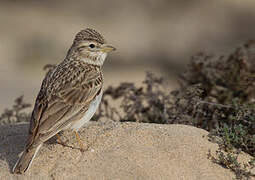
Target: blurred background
(158, 36)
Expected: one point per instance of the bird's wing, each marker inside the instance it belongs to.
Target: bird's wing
(64, 97)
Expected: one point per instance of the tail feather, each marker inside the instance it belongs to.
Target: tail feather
(24, 162)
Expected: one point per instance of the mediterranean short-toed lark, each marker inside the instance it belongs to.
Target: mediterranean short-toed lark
(70, 94)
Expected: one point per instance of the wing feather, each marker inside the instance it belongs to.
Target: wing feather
(63, 99)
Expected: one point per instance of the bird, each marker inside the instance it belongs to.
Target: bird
(69, 96)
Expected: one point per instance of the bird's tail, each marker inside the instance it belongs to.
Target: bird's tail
(25, 160)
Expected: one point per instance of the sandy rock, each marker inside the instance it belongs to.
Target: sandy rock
(116, 151)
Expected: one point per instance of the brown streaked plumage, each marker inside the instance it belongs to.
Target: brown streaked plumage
(69, 95)
(89, 34)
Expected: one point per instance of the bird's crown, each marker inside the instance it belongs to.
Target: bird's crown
(89, 34)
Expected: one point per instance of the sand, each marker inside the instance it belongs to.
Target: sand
(116, 151)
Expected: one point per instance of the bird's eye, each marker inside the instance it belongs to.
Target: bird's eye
(92, 45)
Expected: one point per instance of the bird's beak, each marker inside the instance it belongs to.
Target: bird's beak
(107, 48)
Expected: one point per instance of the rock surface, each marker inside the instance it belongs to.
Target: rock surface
(116, 151)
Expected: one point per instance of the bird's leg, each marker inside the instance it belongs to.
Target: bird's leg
(59, 140)
(79, 141)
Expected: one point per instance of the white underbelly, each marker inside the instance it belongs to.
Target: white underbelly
(89, 113)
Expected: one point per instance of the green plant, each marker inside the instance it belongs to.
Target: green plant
(230, 161)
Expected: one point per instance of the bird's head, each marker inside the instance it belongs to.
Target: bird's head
(89, 46)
